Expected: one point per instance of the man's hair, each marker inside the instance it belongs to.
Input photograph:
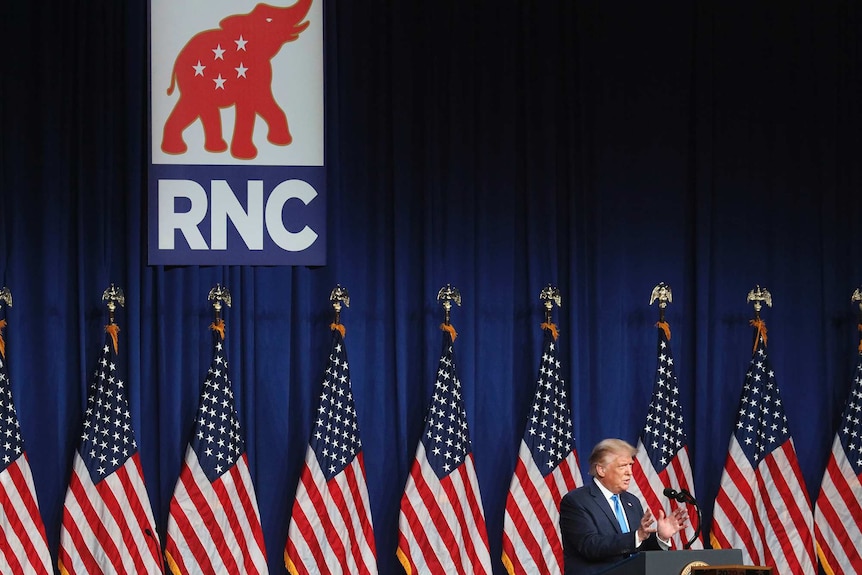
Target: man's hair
(608, 449)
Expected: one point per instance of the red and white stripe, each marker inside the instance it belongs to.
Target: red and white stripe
(649, 486)
(766, 511)
(532, 543)
(330, 528)
(442, 524)
(214, 528)
(23, 545)
(108, 527)
(838, 516)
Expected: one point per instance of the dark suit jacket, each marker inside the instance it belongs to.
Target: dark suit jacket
(592, 538)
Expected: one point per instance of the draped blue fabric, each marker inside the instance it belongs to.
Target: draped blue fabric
(499, 146)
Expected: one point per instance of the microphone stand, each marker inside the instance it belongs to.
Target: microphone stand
(686, 497)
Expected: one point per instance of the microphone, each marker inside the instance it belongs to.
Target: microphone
(683, 496)
(672, 493)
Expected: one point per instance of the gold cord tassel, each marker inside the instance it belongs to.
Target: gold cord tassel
(665, 327)
(551, 328)
(114, 330)
(760, 325)
(339, 327)
(218, 326)
(450, 329)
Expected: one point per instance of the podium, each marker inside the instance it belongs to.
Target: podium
(674, 562)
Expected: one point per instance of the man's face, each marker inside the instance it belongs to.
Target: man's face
(616, 472)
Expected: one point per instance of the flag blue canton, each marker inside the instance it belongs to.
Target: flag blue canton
(549, 432)
(761, 425)
(850, 431)
(664, 435)
(11, 444)
(446, 439)
(217, 439)
(335, 438)
(107, 440)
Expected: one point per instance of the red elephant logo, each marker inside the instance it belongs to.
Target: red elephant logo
(230, 66)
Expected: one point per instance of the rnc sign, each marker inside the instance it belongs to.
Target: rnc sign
(236, 173)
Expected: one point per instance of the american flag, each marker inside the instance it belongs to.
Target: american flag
(662, 457)
(330, 527)
(108, 524)
(838, 514)
(762, 506)
(547, 468)
(442, 523)
(23, 545)
(214, 522)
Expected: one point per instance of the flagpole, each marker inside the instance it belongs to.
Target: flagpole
(332, 489)
(202, 518)
(219, 296)
(442, 487)
(446, 296)
(762, 483)
(759, 296)
(549, 296)
(107, 454)
(19, 507)
(113, 296)
(663, 294)
(339, 296)
(856, 297)
(5, 297)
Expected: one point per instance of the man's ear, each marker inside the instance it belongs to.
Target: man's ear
(600, 470)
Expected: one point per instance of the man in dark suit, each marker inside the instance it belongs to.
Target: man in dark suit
(601, 523)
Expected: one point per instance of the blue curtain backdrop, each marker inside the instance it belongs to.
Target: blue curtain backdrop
(496, 146)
